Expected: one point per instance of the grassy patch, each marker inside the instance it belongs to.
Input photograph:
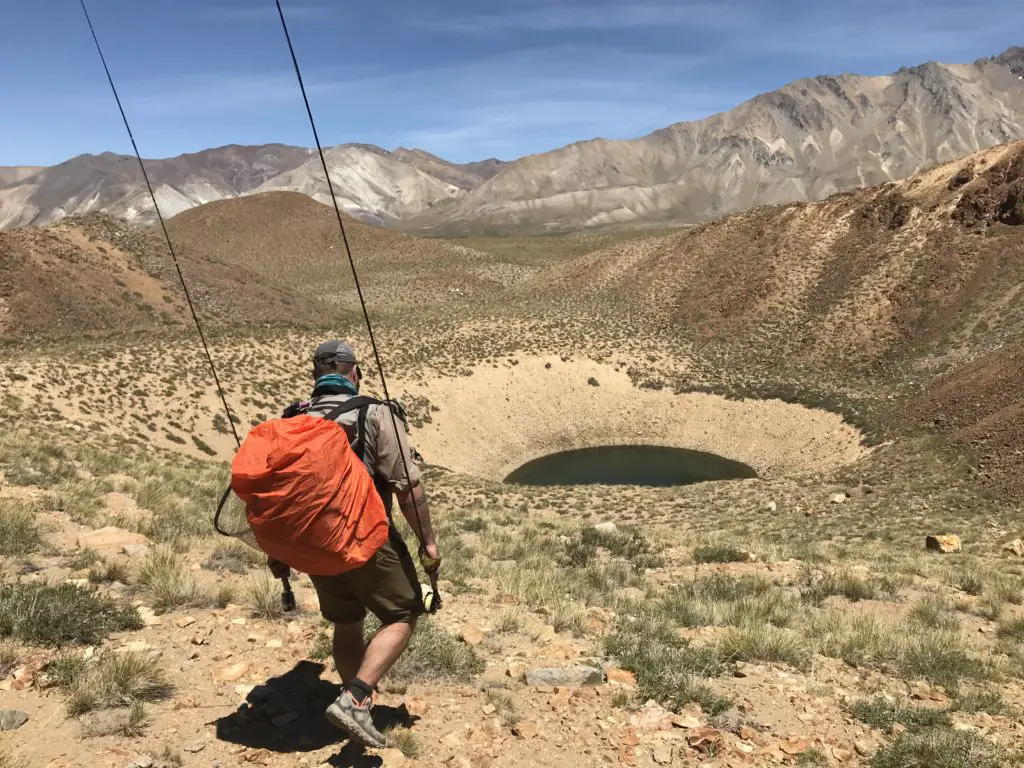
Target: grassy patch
(883, 715)
(934, 612)
(628, 543)
(504, 706)
(116, 679)
(263, 595)
(235, 557)
(109, 571)
(668, 669)
(857, 640)
(57, 615)
(720, 553)
(940, 748)
(721, 600)
(403, 740)
(763, 642)
(432, 654)
(167, 581)
(942, 658)
(19, 532)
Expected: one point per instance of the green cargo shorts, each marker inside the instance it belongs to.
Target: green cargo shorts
(387, 585)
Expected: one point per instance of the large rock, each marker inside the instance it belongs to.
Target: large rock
(109, 540)
(12, 719)
(945, 544)
(565, 676)
(1015, 547)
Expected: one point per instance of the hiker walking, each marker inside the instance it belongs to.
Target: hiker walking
(385, 584)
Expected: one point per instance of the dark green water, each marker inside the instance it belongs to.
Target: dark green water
(649, 465)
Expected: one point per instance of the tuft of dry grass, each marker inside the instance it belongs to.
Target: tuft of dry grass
(168, 582)
(263, 596)
(19, 531)
(116, 679)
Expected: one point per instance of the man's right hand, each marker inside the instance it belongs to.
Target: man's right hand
(279, 569)
(430, 559)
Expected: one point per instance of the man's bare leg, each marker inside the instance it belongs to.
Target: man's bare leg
(383, 651)
(349, 648)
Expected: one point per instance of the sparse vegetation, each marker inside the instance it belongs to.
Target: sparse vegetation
(117, 679)
(168, 582)
(53, 616)
(19, 531)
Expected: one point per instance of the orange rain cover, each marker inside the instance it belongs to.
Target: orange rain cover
(308, 497)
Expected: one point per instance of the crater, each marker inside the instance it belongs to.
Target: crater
(502, 417)
(648, 465)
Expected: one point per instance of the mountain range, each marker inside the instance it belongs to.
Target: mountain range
(804, 142)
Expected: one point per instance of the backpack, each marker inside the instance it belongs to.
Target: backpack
(309, 499)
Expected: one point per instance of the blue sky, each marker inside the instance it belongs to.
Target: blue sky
(465, 80)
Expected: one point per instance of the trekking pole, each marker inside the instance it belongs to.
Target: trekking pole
(359, 293)
(287, 597)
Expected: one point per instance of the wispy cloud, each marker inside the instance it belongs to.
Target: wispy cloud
(594, 16)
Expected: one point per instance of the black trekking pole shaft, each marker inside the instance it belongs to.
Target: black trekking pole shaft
(174, 258)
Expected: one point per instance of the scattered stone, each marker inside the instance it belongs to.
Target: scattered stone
(195, 746)
(621, 676)
(284, 718)
(862, 748)
(606, 528)
(392, 757)
(663, 755)
(472, 636)
(239, 621)
(651, 718)
(944, 544)
(1015, 547)
(185, 621)
(274, 644)
(771, 506)
(149, 617)
(686, 721)
(137, 646)
(12, 719)
(109, 540)
(524, 730)
(838, 498)
(490, 709)
(565, 676)
(794, 746)
(143, 761)
(231, 673)
(747, 733)
(842, 754)
(135, 550)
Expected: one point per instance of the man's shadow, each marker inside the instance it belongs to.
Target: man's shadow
(286, 714)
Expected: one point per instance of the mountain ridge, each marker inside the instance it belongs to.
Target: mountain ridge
(809, 139)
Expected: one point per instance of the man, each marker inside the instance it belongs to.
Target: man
(387, 585)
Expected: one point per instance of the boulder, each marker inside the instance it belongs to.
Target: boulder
(943, 543)
(1015, 547)
(564, 676)
(12, 719)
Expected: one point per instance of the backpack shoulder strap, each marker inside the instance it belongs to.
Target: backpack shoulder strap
(352, 404)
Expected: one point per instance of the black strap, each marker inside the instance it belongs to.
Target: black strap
(352, 404)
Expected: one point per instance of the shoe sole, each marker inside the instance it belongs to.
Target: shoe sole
(339, 719)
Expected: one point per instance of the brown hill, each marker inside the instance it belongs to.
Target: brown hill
(97, 275)
(285, 238)
(982, 406)
(932, 265)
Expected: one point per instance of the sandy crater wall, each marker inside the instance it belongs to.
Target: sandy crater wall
(496, 420)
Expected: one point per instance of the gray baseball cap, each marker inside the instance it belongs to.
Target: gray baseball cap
(334, 351)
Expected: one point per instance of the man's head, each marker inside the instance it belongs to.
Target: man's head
(336, 356)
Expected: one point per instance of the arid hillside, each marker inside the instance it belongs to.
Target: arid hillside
(927, 269)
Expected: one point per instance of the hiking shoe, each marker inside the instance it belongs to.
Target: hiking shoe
(354, 718)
